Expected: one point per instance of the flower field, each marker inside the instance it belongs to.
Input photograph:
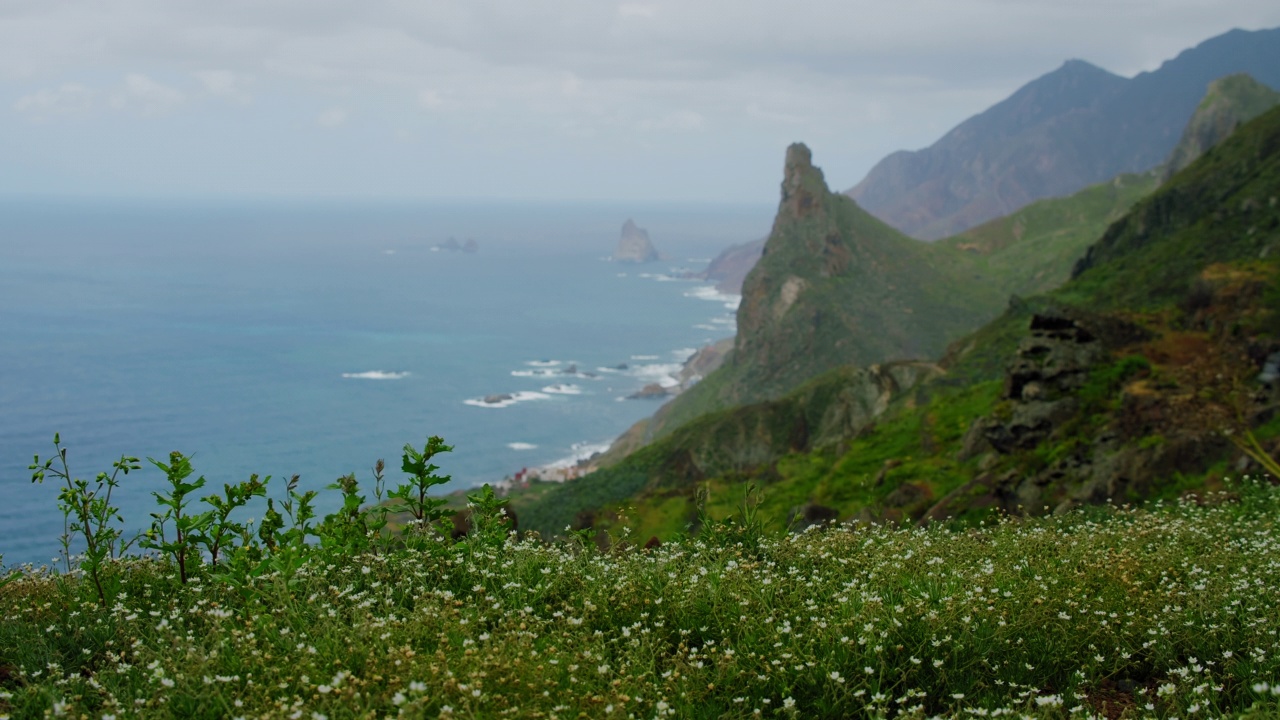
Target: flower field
(1169, 611)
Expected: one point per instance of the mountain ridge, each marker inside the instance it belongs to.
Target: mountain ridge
(1075, 126)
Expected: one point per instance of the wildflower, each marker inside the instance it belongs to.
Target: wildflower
(398, 699)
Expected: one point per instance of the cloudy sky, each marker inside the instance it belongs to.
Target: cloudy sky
(531, 99)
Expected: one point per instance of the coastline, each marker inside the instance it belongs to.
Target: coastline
(585, 457)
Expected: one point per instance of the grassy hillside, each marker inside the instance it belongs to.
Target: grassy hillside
(1033, 250)
(1115, 613)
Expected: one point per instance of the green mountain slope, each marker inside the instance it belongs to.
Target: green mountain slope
(834, 286)
(1230, 102)
(1033, 250)
(1114, 387)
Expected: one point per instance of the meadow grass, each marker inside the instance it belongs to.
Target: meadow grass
(1168, 611)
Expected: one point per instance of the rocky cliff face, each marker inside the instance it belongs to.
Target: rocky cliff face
(1071, 128)
(1230, 102)
(729, 269)
(634, 245)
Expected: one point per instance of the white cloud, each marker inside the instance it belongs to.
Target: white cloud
(678, 121)
(333, 117)
(68, 98)
(430, 100)
(527, 83)
(225, 84)
(631, 9)
(570, 85)
(146, 96)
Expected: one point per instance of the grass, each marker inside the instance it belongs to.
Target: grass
(1169, 611)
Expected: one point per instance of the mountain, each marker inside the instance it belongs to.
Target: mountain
(729, 269)
(1230, 102)
(1076, 126)
(1115, 387)
(834, 286)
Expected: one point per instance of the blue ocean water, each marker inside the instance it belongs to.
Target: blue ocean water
(314, 338)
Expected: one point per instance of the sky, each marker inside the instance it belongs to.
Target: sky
(644, 100)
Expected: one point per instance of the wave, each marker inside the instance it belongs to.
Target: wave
(543, 363)
(664, 374)
(580, 451)
(709, 292)
(376, 375)
(539, 372)
(561, 389)
(503, 400)
(522, 446)
(704, 326)
(644, 357)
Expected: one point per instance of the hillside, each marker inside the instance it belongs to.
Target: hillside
(834, 286)
(1230, 102)
(1073, 127)
(1114, 387)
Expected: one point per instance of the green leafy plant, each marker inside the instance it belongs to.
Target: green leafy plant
(355, 528)
(412, 495)
(186, 527)
(489, 520)
(747, 528)
(88, 512)
(286, 542)
(220, 532)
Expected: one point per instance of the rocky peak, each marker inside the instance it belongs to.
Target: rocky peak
(634, 245)
(803, 185)
(1229, 102)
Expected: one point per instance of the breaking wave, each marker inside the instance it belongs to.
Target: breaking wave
(376, 375)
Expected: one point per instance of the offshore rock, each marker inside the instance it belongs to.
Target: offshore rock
(634, 245)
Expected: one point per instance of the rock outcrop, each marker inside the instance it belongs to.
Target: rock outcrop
(1230, 102)
(634, 245)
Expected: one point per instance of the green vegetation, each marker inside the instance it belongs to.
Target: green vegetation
(1230, 101)
(1032, 251)
(1116, 612)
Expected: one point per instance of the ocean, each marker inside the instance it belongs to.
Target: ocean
(314, 338)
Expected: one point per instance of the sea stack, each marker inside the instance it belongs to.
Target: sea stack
(634, 245)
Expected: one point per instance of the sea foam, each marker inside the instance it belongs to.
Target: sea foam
(562, 389)
(376, 375)
(504, 400)
(709, 292)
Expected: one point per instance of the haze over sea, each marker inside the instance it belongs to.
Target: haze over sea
(316, 337)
